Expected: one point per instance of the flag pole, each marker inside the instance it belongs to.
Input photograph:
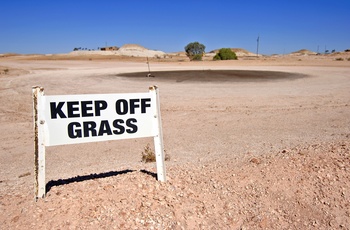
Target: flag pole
(257, 46)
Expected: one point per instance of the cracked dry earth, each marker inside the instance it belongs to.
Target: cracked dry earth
(243, 155)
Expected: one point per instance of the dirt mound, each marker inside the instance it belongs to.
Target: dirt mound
(242, 52)
(132, 47)
(303, 52)
(9, 54)
(135, 50)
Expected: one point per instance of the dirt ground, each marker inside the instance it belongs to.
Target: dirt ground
(254, 144)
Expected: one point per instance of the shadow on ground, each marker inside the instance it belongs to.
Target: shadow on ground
(60, 182)
(215, 75)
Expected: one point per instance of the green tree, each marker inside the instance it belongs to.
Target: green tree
(225, 54)
(195, 50)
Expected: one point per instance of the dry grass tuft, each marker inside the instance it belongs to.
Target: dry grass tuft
(148, 155)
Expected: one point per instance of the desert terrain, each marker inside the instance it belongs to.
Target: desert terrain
(256, 143)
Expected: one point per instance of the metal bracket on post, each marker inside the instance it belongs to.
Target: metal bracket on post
(39, 145)
(158, 138)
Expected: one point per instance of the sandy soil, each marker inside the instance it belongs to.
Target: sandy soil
(249, 149)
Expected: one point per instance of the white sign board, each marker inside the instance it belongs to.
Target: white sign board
(73, 119)
(88, 118)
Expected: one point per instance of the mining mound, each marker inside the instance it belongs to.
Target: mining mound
(303, 52)
(215, 75)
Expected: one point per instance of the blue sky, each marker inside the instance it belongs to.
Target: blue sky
(284, 26)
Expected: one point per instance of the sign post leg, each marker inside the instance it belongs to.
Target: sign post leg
(158, 139)
(39, 145)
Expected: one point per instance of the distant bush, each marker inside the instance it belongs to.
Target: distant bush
(225, 54)
(217, 57)
(197, 57)
(339, 59)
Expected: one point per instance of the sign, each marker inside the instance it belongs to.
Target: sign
(73, 119)
(88, 118)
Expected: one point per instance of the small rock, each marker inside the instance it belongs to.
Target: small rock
(255, 160)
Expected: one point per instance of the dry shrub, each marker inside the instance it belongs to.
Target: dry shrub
(148, 155)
